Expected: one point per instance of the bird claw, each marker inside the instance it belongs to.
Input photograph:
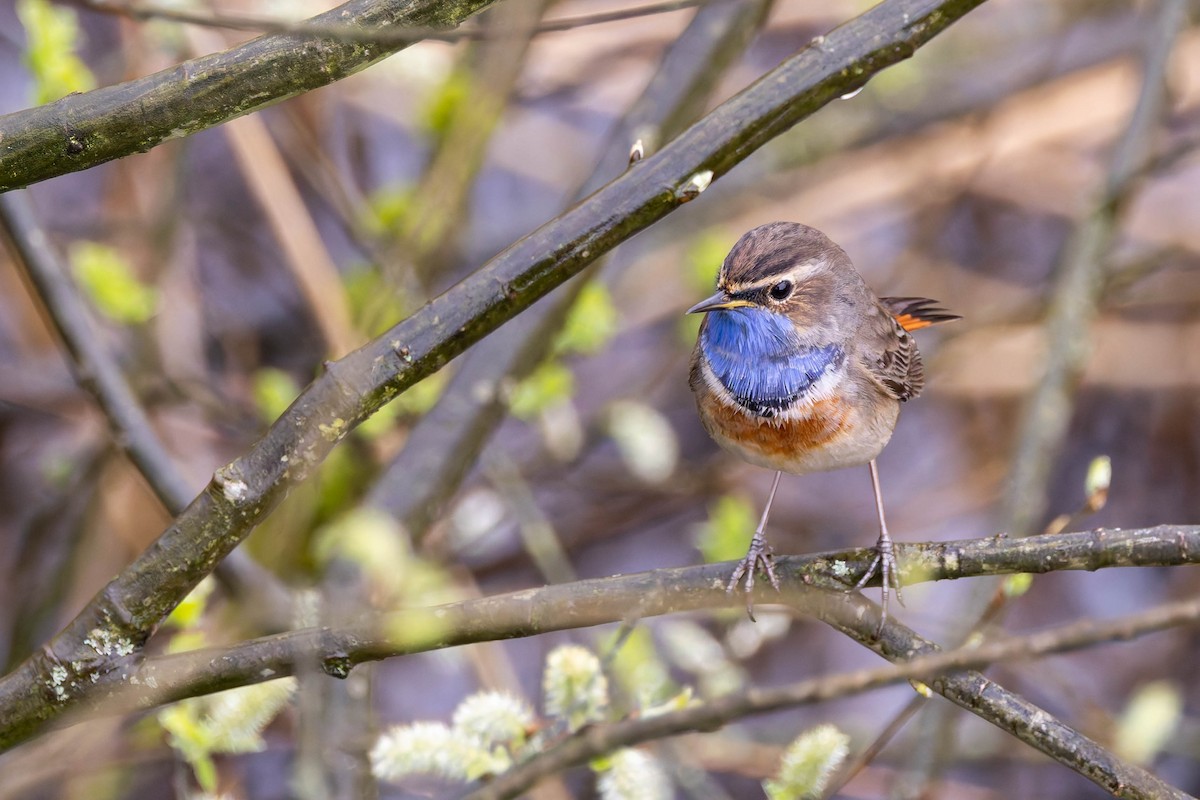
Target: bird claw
(759, 556)
(889, 572)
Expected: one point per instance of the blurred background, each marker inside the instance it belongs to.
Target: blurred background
(997, 171)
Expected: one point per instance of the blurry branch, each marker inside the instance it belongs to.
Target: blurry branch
(1073, 304)
(292, 226)
(1077, 288)
(446, 441)
(490, 69)
(112, 628)
(918, 659)
(98, 372)
(83, 130)
(1126, 273)
(94, 367)
(303, 144)
(538, 536)
(348, 33)
(35, 594)
(868, 754)
(621, 598)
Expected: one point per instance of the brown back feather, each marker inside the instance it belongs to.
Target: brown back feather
(898, 367)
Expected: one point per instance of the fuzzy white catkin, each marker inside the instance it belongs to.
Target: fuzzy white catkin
(236, 718)
(492, 718)
(574, 686)
(634, 775)
(422, 748)
(808, 763)
(227, 722)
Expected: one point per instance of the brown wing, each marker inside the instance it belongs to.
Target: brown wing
(898, 367)
(891, 356)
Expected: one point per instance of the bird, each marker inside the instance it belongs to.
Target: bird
(799, 367)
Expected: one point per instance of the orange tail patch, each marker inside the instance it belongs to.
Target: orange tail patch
(914, 313)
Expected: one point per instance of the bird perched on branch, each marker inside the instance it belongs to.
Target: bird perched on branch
(800, 368)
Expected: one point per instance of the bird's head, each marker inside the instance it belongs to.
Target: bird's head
(785, 269)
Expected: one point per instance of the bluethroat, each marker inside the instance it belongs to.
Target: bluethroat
(800, 368)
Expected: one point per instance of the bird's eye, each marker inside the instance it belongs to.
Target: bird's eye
(781, 290)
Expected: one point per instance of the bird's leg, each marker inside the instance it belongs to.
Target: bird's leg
(760, 554)
(885, 556)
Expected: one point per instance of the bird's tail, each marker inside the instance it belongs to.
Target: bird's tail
(914, 313)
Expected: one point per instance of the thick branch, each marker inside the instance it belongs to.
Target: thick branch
(84, 130)
(122, 616)
(607, 600)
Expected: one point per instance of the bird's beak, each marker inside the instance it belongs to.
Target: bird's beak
(718, 301)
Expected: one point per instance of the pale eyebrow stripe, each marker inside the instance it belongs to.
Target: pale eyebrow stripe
(796, 274)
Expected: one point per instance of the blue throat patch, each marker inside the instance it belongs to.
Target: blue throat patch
(757, 357)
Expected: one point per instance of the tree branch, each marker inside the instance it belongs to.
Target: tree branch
(117, 622)
(83, 130)
(621, 598)
(857, 617)
(348, 33)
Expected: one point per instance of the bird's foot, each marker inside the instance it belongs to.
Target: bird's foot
(759, 556)
(889, 574)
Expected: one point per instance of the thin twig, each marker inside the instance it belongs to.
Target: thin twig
(1074, 303)
(850, 771)
(542, 544)
(98, 372)
(941, 670)
(309, 261)
(352, 33)
(1078, 283)
(492, 67)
